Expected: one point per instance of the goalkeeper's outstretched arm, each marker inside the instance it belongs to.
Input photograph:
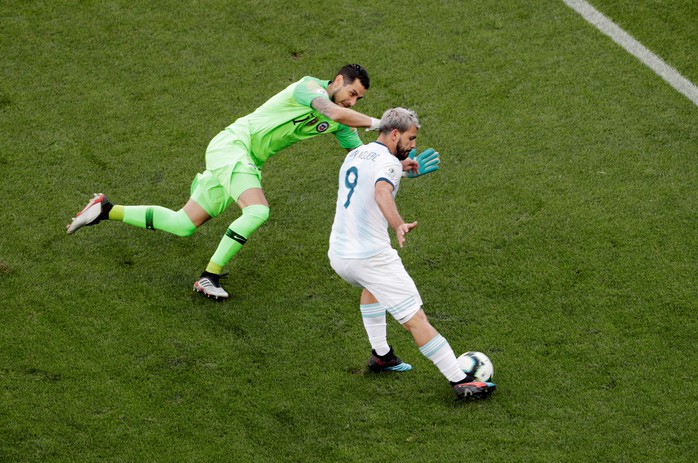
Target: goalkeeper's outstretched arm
(345, 116)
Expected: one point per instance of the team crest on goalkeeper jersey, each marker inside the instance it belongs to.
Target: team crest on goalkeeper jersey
(322, 126)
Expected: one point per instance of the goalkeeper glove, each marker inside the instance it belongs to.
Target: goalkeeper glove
(428, 162)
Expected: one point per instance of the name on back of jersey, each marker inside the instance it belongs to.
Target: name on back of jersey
(368, 155)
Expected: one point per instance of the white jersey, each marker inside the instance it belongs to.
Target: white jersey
(360, 230)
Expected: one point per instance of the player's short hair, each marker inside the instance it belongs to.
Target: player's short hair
(351, 72)
(399, 118)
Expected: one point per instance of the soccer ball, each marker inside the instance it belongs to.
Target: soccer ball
(476, 364)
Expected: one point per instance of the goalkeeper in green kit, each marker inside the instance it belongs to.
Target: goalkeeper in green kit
(235, 157)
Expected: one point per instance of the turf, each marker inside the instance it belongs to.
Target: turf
(559, 237)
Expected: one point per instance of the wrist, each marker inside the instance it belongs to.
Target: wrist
(375, 124)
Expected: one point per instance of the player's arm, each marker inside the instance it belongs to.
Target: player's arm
(387, 206)
(345, 116)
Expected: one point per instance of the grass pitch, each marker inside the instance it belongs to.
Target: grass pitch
(559, 237)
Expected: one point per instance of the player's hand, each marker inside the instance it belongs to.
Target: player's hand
(409, 165)
(428, 161)
(402, 230)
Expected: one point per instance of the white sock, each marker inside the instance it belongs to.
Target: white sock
(375, 323)
(439, 351)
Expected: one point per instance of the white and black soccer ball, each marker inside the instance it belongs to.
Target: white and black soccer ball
(476, 364)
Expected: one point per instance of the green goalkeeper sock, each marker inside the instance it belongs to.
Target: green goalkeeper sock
(158, 218)
(236, 236)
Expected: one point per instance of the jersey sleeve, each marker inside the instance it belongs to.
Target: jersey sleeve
(348, 137)
(308, 89)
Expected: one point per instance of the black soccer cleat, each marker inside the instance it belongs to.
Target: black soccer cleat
(387, 362)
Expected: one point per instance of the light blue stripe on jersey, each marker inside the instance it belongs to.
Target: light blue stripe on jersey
(372, 310)
(385, 180)
(433, 346)
(402, 309)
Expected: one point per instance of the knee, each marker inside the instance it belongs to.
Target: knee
(417, 321)
(257, 213)
(186, 231)
(185, 227)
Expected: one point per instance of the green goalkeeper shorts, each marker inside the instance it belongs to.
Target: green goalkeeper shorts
(225, 179)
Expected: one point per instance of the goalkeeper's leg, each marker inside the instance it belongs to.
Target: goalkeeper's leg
(158, 218)
(181, 223)
(255, 211)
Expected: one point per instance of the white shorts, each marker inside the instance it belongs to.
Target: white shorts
(385, 277)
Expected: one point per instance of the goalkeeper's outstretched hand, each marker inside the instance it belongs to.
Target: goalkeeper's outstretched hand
(428, 162)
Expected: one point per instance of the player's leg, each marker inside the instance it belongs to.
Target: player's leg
(354, 271)
(383, 357)
(181, 223)
(247, 190)
(393, 287)
(255, 211)
(375, 323)
(228, 160)
(433, 346)
(437, 349)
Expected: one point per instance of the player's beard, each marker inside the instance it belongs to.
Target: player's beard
(401, 152)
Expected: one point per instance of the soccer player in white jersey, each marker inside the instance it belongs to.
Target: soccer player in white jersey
(360, 252)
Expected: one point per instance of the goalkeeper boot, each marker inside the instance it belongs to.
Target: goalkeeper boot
(209, 285)
(96, 210)
(472, 389)
(387, 362)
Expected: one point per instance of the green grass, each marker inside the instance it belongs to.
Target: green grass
(559, 237)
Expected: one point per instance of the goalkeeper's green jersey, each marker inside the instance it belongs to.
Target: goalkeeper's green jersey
(287, 118)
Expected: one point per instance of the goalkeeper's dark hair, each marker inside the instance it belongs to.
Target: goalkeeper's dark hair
(351, 72)
(399, 118)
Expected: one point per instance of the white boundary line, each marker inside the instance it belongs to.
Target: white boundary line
(635, 48)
